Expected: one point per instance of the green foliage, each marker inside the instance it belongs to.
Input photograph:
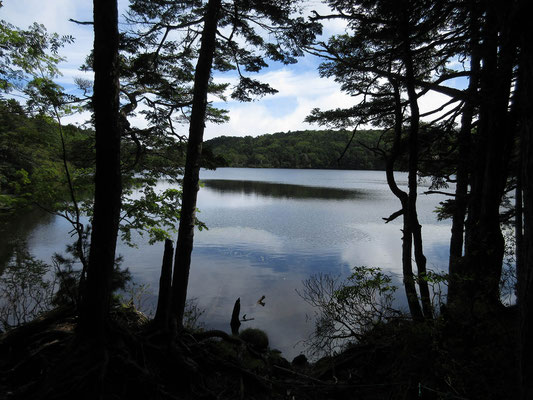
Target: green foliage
(301, 149)
(69, 280)
(156, 213)
(136, 295)
(31, 158)
(25, 54)
(68, 274)
(437, 283)
(192, 315)
(365, 283)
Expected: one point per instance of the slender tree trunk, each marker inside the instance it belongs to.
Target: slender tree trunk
(184, 244)
(463, 168)
(407, 242)
(107, 198)
(412, 215)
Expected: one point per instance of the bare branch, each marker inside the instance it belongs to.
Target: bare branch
(393, 216)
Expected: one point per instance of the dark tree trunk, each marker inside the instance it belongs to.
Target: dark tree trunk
(484, 243)
(525, 273)
(411, 214)
(108, 189)
(235, 323)
(464, 142)
(162, 314)
(519, 219)
(407, 242)
(184, 244)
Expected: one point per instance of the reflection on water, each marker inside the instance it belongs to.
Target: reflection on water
(268, 231)
(279, 190)
(16, 229)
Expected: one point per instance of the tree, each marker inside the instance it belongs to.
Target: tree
(108, 187)
(29, 66)
(28, 61)
(464, 143)
(290, 35)
(394, 61)
(24, 289)
(192, 164)
(492, 150)
(27, 53)
(391, 50)
(348, 309)
(305, 149)
(174, 28)
(525, 272)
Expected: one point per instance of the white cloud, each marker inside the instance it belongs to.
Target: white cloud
(306, 90)
(300, 87)
(55, 15)
(301, 92)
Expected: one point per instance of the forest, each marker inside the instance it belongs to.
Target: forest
(305, 149)
(477, 149)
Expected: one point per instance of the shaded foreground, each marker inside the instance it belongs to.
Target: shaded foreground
(46, 359)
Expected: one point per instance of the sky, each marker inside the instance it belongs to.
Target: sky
(300, 88)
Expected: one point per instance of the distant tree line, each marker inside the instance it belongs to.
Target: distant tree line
(323, 149)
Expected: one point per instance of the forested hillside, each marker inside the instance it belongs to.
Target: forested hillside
(300, 149)
(32, 157)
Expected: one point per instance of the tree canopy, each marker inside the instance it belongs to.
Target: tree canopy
(299, 149)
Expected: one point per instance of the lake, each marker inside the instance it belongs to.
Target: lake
(270, 229)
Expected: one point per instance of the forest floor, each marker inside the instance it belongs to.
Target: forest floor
(45, 359)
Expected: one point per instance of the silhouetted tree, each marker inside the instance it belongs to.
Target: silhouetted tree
(107, 199)
(525, 272)
(399, 51)
(391, 57)
(175, 28)
(192, 164)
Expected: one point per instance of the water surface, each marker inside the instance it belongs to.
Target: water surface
(269, 229)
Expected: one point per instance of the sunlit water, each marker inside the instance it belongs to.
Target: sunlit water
(269, 229)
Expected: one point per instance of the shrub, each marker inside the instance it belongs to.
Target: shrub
(347, 309)
(255, 337)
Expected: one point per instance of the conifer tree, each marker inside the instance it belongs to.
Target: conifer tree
(225, 36)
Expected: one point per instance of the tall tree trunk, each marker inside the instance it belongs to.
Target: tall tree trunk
(484, 243)
(108, 189)
(184, 244)
(412, 215)
(407, 242)
(464, 142)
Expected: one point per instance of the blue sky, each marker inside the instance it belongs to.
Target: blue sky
(300, 87)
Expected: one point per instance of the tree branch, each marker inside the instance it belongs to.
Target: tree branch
(393, 216)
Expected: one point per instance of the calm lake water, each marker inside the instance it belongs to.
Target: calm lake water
(269, 229)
